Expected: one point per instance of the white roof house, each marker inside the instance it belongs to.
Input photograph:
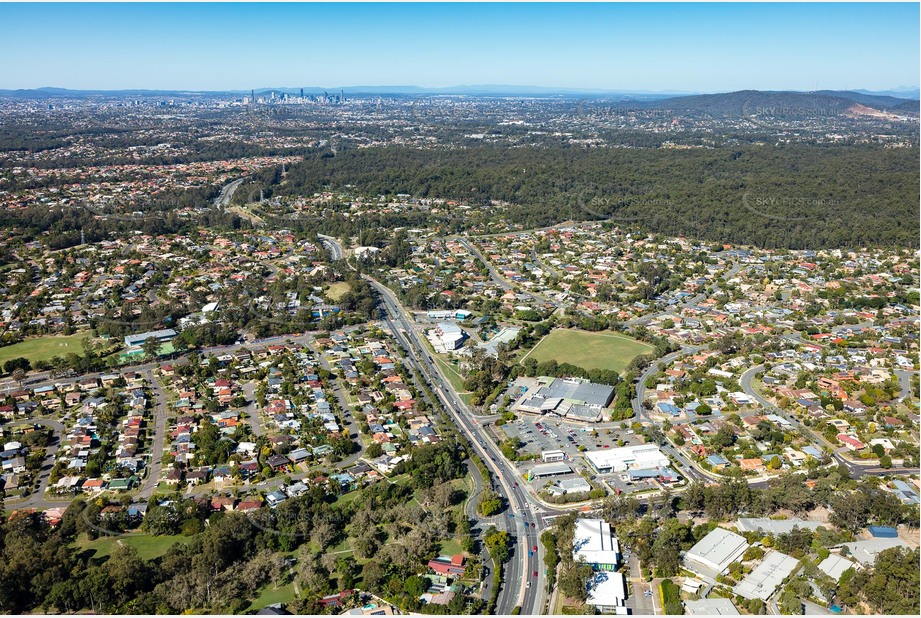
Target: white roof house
(767, 576)
(595, 543)
(711, 555)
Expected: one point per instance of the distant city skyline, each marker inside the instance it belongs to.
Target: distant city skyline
(612, 47)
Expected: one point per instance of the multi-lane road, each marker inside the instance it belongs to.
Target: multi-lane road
(223, 200)
(523, 519)
(524, 581)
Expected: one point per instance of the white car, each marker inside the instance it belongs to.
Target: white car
(527, 585)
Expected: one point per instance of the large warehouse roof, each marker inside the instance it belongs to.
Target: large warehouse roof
(865, 551)
(645, 456)
(774, 526)
(711, 607)
(577, 391)
(763, 581)
(713, 553)
(835, 566)
(550, 469)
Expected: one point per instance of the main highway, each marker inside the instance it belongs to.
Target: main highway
(524, 582)
(522, 518)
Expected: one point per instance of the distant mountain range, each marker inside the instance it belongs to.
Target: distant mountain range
(744, 103)
(748, 103)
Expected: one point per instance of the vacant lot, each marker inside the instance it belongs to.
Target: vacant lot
(147, 545)
(44, 348)
(588, 350)
(338, 290)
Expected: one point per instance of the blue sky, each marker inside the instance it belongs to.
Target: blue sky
(655, 47)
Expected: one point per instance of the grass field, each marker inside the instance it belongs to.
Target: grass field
(455, 378)
(588, 350)
(338, 290)
(271, 595)
(148, 546)
(44, 348)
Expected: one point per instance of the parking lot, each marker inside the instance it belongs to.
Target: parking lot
(547, 434)
(539, 434)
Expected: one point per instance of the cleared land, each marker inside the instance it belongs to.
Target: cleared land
(147, 545)
(456, 379)
(44, 348)
(588, 350)
(338, 290)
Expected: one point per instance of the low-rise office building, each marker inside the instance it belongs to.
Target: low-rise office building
(642, 457)
(595, 544)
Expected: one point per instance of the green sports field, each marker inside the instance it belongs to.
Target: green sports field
(44, 348)
(588, 350)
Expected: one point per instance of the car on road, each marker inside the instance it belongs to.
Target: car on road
(535, 574)
(648, 593)
(534, 548)
(530, 553)
(528, 585)
(516, 484)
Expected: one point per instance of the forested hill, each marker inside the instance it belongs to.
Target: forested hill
(790, 196)
(745, 103)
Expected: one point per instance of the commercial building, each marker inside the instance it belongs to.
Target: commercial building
(451, 336)
(506, 336)
(164, 335)
(608, 592)
(663, 475)
(767, 576)
(595, 544)
(711, 607)
(835, 566)
(573, 398)
(448, 314)
(549, 469)
(549, 456)
(713, 554)
(642, 457)
(865, 552)
(774, 526)
(575, 486)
